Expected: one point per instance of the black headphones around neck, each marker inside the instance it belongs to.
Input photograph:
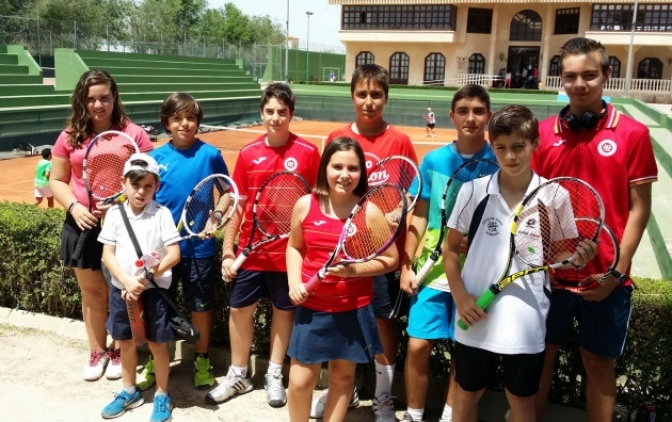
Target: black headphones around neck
(586, 121)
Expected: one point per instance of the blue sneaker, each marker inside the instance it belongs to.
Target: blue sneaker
(163, 408)
(121, 403)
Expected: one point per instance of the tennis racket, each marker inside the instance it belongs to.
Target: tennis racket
(398, 170)
(102, 170)
(597, 270)
(209, 207)
(546, 229)
(272, 211)
(466, 172)
(368, 231)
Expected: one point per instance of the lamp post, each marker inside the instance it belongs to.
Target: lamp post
(628, 71)
(309, 14)
(287, 46)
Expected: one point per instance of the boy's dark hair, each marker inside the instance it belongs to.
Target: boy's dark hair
(78, 122)
(281, 92)
(514, 120)
(342, 143)
(46, 153)
(580, 46)
(135, 176)
(371, 72)
(471, 91)
(179, 102)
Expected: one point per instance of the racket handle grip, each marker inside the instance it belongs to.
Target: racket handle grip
(483, 302)
(312, 284)
(81, 241)
(239, 260)
(426, 268)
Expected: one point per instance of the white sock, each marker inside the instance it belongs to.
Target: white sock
(160, 393)
(130, 390)
(447, 413)
(238, 370)
(384, 378)
(272, 367)
(415, 414)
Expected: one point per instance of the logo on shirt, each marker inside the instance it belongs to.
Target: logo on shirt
(371, 160)
(291, 164)
(319, 223)
(352, 230)
(259, 160)
(492, 225)
(163, 167)
(531, 223)
(378, 177)
(607, 148)
(560, 142)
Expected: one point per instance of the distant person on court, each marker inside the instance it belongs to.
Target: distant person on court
(590, 134)
(507, 80)
(95, 108)
(264, 273)
(332, 76)
(431, 312)
(431, 122)
(183, 162)
(369, 88)
(335, 323)
(514, 327)
(155, 231)
(42, 173)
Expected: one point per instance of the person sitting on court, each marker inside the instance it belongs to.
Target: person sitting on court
(515, 323)
(155, 232)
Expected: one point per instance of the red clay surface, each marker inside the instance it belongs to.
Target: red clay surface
(16, 176)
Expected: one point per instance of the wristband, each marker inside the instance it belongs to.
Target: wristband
(72, 206)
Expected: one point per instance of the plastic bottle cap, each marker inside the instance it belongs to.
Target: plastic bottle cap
(139, 263)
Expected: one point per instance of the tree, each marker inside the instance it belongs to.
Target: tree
(266, 31)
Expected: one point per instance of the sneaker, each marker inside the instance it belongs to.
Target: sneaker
(121, 403)
(163, 408)
(233, 384)
(317, 406)
(113, 370)
(203, 376)
(383, 408)
(276, 396)
(146, 378)
(408, 418)
(96, 366)
(450, 419)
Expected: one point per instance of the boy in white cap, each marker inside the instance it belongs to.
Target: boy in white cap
(155, 231)
(431, 122)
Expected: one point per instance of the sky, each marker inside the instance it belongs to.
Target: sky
(324, 23)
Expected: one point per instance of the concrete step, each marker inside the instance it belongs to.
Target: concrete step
(636, 114)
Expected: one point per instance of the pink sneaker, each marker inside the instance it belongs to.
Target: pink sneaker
(113, 371)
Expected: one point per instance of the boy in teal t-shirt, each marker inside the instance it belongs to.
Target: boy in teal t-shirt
(42, 173)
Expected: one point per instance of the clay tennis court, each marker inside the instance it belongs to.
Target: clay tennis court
(16, 176)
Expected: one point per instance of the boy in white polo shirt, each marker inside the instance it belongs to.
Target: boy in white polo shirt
(155, 231)
(515, 325)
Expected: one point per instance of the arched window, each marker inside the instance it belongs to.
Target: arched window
(526, 26)
(650, 68)
(364, 57)
(554, 67)
(476, 64)
(435, 69)
(615, 66)
(399, 63)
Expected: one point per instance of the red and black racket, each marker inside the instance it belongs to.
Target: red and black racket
(369, 229)
(102, 170)
(272, 211)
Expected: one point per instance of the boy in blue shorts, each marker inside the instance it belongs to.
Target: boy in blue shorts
(514, 136)
(431, 312)
(183, 162)
(264, 272)
(155, 232)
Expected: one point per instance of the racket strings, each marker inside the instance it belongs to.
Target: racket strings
(104, 164)
(548, 231)
(214, 195)
(276, 202)
(373, 225)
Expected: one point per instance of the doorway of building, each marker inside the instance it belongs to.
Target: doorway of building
(522, 63)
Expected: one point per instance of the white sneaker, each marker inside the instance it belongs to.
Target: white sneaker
(317, 405)
(95, 368)
(113, 371)
(231, 385)
(383, 408)
(276, 396)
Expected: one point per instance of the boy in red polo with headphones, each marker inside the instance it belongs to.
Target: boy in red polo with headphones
(592, 141)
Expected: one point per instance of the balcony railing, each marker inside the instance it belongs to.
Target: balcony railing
(618, 84)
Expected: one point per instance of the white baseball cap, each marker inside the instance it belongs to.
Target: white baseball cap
(429, 109)
(151, 167)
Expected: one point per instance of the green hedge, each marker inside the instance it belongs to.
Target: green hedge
(33, 279)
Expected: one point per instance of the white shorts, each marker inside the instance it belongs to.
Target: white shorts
(42, 192)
